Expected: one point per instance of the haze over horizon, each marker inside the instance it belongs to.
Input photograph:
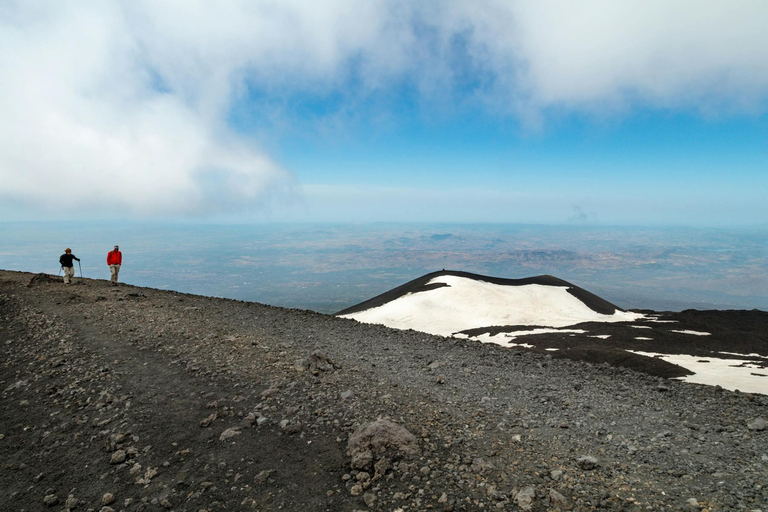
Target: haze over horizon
(606, 113)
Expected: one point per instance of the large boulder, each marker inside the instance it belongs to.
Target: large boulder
(380, 439)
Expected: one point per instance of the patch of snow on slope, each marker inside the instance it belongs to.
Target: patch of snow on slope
(753, 354)
(469, 303)
(505, 338)
(696, 333)
(727, 373)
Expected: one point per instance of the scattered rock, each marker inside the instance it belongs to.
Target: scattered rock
(557, 500)
(525, 498)
(229, 433)
(370, 499)
(263, 476)
(587, 462)
(71, 502)
(318, 361)
(208, 420)
(118, 457)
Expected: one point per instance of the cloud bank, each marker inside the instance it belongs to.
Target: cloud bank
(126, 106)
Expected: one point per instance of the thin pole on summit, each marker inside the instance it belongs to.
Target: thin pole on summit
(81, 269)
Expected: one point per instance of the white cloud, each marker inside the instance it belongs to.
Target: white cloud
(676, 54)
(125, 104)
(85, 126)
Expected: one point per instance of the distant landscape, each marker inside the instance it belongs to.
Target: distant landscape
(327, 268)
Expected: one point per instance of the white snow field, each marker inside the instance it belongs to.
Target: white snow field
(733, 374)
(469, 303)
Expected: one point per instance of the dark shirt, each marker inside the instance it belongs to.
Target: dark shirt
(66, 260)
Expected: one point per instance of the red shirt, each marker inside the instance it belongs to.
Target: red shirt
(114, 258)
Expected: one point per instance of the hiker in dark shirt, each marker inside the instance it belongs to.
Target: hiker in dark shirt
(66, 264)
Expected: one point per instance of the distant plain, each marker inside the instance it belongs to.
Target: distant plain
(327, 268)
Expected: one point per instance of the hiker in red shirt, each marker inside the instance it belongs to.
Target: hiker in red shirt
(114, 260)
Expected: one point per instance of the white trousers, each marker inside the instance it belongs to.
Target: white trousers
(69, 273)
(114, 270)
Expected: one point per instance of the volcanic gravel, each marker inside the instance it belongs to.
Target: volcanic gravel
(135, 399)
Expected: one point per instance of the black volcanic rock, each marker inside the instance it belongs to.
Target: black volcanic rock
(201, 404)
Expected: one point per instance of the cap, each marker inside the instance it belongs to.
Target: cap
(116, 247)
(67, 250)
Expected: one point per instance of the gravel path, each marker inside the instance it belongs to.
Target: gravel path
(125, 398)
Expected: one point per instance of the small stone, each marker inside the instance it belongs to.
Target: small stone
(525, 498)
(107, 498)
(587, 462)
(356, 490)
(557, 500)
(294, 428)
(269, 392)
(229, 433)
(758, 424)
(118, 457)
(369, 498)
(107, 509)
(50, 499)
(443, 498)
(149, 474)
(555, 474)
(347, 394)
(205, 422)
(71, 502)
(263, 476)
(381, 467)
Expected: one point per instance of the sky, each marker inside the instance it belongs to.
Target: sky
(554, 112)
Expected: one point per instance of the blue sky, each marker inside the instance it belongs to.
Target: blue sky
(251, 111)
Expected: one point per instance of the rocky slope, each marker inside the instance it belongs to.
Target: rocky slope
(124, 398)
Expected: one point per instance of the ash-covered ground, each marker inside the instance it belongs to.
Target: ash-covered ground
(125, 398)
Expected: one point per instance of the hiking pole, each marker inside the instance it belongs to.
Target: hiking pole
(81, 269)
(60, 267)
